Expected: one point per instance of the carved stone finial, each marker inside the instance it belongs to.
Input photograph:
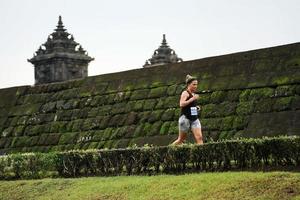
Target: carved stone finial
(58, 58)
(163, 55)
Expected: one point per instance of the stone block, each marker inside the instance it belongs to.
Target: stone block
(155, 116)
(131, 118)
(171, 102)
(285, 90)
(149, 104)
(218, 96)
(155, 128)
(164, 128)
(168, 115)
(158, 92)
(139, 94)
(245, 108)
(283, 103)
(68, 138)
(172, 90)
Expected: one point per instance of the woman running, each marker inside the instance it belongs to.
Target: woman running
(189, 112)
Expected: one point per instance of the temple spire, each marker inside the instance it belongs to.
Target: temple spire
(164, 41)
(163, 55)
(60, 58)
(60, 26)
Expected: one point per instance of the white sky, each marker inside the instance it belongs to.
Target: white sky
(121, 35)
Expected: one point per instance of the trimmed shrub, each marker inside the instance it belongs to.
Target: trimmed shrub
(241, 154)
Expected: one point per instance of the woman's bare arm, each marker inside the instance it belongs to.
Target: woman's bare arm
(183, 99)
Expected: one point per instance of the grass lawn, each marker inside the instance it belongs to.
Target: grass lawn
(226, 185)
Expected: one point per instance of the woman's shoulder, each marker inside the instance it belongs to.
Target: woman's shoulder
(184, 92)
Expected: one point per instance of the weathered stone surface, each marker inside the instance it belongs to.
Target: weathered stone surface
(248, 94)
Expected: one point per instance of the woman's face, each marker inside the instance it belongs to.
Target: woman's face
(193, 86)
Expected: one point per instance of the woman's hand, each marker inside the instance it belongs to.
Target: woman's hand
(195, 97)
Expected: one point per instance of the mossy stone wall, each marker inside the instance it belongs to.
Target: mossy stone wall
(247, 94)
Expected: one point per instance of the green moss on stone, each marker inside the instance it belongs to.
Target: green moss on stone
(58, 127)
(264, 105)
(226, 108)
(101, 145)
(141, 83)
(118, 108)
(171, 102)
(285, 90)
(143, 116)
(138, 106)
(282, 103)
(164, 128)
(42, 139)
(155, 116)
(76, 125)
(107, 133)
(160, 104)
(245, 108)
(138, 130)
(168, 114)
(116, 120)
(97, 136)
(280, 80)
(147, 129)
(155, 128)
(23, 120)
(7, 132)
(115, 133)
(18, 131)
(131, 118)
(177, 113)
(211, 123)
(233, 95)
(108, 144)
(260, 93)
(93, 112)
(240, 122)
(295, 104)
(68, 138)
(218, 96)
(155, 84)
(180, 88)
(34, 140)
(104, 122)
(225, 135)
(93, 145)
(53, 139)
(158, 92)
(172, 90)
(139, 94)
(209, 110)
(2, 142)
(21, 141)
(173, 128)
(244, 95)
(227, 123)
(204, 99)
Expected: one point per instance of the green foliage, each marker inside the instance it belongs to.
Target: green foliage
(214, 156)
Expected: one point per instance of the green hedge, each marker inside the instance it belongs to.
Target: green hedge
(282, 152)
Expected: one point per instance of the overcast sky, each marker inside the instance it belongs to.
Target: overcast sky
(121, 35)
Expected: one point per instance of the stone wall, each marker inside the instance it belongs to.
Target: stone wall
(247, 94)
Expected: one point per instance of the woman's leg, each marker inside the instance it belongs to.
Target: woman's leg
(198, 135)
(180, 139)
